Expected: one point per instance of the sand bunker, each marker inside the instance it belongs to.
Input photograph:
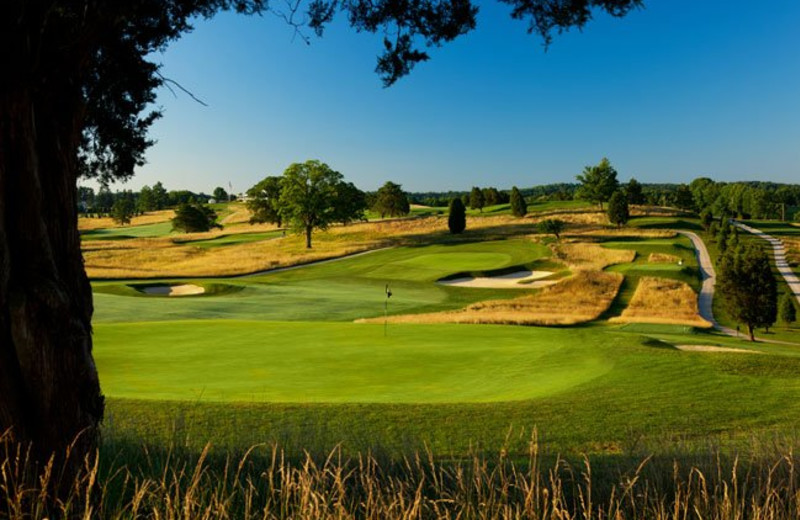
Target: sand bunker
(174, 290)
(515, 280)
(712, 348)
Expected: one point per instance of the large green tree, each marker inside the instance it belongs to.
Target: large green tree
(618, 212)
(391, 200)
(476, 199)
(748, 288)
(78, 82)
(263, 201)
(598, 183)
(309, 196)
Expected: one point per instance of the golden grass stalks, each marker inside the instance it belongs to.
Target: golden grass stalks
(153, 217)
(662, 258)
(660, 300)
(264, 484)
(580, 256)
(578, 299)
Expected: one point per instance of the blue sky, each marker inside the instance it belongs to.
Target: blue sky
(680, 89)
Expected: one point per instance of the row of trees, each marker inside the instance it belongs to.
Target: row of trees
(103, 201)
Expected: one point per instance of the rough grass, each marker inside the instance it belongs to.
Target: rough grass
(265, 482)
(660, 300)
(578, 299)
(580, 256)
(153, 217)
(662, 258)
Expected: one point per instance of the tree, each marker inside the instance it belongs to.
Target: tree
(476, 200)
(350, 203)
(683, 198)
(457, 217)
(391, 200)
(633, 190)
(308, 197)
(263, 201)
(747, 287)
(194, 218)
(146, 201)
(220, 195)
(788, 310)
(552, 227)
(598, 183)
(122, 210)
(160, 196)
(76, 93)
(706, 219)
(519, 208)
(491, 196)
(618, 212)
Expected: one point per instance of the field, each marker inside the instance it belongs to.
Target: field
(283, 357)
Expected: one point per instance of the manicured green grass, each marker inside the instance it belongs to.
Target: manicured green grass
(450, 387)
(232, 239)
(344, 290)
(159, 229)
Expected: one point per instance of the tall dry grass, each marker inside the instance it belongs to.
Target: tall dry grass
(582, 256)
(662, 258)
(267, 485)
(661, 300)
(153, 217)
(578, 299)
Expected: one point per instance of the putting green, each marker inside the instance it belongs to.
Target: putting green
(339, 362)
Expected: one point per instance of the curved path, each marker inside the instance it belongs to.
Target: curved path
(706, 297)
(779, 250)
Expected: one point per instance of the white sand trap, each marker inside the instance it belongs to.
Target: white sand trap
(174, 290)
(515, 280)
(712, 348)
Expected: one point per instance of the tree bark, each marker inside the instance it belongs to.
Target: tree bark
(308, 237)
(49, 391)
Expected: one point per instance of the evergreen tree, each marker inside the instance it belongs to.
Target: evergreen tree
(788, 311)
(476, 200)
(519, 208)
(618, 212)
(747, 287)
(633, 191)
(598, 183)
(457, 219)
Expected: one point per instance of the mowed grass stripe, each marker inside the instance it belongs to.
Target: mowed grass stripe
(220, 360)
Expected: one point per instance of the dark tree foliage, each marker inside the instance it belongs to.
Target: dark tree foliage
(618, 212)
(684, 199)
(476, 200)
(263, 201)
(457, 217)
(350, 203)
(219, 194)
(598, 183)
(552, 227)
(122, 210)
(78, 83)
(748, 288)
(706, 219)
(146, 200)
(194, 218)
(160, 196)
(788, 309)
(634, 192)
(391, 200)
(519, 208)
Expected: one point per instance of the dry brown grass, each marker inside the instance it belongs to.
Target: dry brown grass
(660, 300)
(612, 232)
(662, 258)
(578, 299)
(581, 256)
(239, 214)
(792, 249)
(154, 217)
(266, 484)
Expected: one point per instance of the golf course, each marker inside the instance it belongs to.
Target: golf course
(316, 356)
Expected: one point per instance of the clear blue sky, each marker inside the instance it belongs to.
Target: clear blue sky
(680, 89)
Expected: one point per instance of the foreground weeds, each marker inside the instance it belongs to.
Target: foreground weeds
(262, 483)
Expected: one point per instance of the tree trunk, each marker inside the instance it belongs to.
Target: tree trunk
(49, 390)
(751, 332)
(308, 237)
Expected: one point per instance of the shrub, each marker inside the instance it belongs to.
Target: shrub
(457, 220)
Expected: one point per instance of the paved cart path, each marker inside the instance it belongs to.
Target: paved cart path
(779, 250)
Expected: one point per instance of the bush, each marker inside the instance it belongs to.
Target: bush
(194, 218)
